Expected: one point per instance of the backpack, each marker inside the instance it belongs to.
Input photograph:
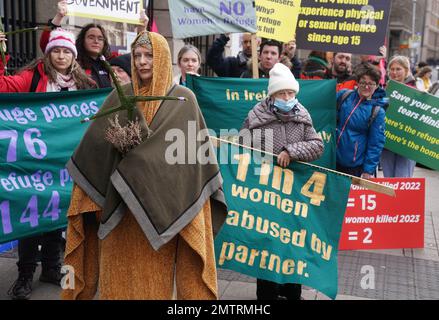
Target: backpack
(373, 114)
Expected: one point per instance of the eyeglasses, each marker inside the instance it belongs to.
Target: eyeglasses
(367, 84)
(95, 38)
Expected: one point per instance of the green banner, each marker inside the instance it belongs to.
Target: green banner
(412, 124)
(38, 133)
(225, 103)
(283, 224)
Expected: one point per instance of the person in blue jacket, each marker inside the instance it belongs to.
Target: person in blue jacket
(360, 124)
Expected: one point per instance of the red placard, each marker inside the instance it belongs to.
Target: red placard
(377, 221)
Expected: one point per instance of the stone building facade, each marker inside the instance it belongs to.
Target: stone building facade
(426, 27)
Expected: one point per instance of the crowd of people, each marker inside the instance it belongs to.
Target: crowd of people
(74, 64)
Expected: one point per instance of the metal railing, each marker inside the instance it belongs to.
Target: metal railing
(22, 48)
(203, 44)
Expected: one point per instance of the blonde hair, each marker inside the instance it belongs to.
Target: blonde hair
(402, 61)
(187, 48)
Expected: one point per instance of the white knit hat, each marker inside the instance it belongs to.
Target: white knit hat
(61, 38)
(281, 78)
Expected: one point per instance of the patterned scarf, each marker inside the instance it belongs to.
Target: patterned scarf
(62, 82)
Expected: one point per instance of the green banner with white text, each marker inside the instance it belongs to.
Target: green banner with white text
(283, 224)
(412, 124)
(38, 134)
(225, 103)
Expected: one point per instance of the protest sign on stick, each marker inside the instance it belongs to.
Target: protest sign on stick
(115, 10)
(343, 26)
(192, 18)
(277, 19)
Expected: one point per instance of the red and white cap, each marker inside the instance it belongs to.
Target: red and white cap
(61, 38)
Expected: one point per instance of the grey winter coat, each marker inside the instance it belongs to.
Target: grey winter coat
(292, 131)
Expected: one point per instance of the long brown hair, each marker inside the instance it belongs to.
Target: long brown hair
(82, 80)
(423, 71)
(83, 58)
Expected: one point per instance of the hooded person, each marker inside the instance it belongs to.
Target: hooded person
(121, 66)
(285, 128)
(128, 235)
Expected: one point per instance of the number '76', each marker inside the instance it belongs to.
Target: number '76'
(29, 142)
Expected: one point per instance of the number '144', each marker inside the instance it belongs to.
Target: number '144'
(30, 213)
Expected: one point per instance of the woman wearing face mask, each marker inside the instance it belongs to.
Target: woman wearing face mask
(189, 62)
(395, 165)
(360, 124)
(286, 130)
(56, 71)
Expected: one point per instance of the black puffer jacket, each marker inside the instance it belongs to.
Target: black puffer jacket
(225, 66)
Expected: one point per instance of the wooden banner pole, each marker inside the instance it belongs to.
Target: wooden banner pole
(355, 180)
(255, 60)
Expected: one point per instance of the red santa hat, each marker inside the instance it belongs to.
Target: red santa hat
(61, 38)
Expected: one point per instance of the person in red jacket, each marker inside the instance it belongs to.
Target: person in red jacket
(56, 71)
(91, 43)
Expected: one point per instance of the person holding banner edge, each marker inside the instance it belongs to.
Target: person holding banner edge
(360, 124)
(395, 165)
(282, 119)
(57, 71)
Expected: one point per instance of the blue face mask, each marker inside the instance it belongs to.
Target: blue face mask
(285, 106)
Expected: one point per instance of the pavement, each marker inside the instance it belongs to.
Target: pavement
(404, 274)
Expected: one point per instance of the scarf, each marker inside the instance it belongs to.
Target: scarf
(155, 190)
(62, 82)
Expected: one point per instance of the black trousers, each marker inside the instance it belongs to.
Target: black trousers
(268, 290)
(354, 171)
(51, 251)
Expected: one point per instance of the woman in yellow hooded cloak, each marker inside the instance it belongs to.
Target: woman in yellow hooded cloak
(158, 236)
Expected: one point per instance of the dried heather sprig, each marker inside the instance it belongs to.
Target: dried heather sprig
(124, 138)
